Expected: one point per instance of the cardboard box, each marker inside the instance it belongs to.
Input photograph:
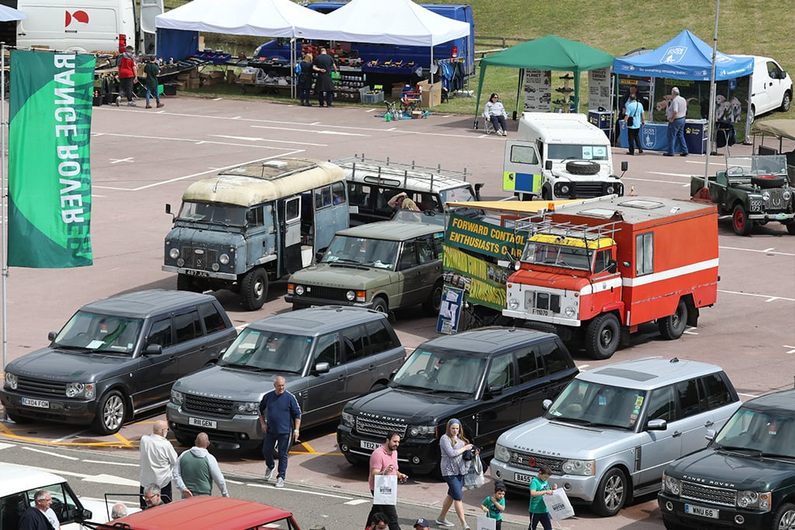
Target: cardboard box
(431, 94)
(397, 90)
(231, 77)
(247, 78)
(194, 73)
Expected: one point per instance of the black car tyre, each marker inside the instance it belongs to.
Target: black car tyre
(18, 419)
(611, 493)
(111, 413)
(740, 222)
(254, 289)
(187, 283)
(672, 327)
(791, 227)
(786, 101)
(670, 525)
(785, 517)
(546, 193)
(184, 440)
(380, 305)
(354, 461)
(582, 167)
(434, 300)
(602, 336)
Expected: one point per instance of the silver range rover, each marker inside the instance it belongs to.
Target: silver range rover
(611, 432)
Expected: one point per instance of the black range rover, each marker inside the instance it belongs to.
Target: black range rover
(491, 379)
(744, 479)
(116, 358)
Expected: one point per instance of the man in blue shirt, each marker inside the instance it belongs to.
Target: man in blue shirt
(280, 419)
(634, 110)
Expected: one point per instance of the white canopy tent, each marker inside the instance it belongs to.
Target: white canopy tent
(9, 14)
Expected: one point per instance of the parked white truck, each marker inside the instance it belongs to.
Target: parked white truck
(559, 156)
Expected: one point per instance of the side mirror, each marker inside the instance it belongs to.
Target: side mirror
(546, 404)
(625, 264)
(51, 335)
(548, 165)
(494, 390)
(624, 165)
(611, 266)
(710, 435)
(322, 368)
(656, 425)
(168, 208)
(84, 515)
(392, 374)
(477, 190)
(153, 349)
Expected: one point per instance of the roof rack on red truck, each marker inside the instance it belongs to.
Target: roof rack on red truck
(603, 268)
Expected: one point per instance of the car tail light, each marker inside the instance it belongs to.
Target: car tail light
(455, 52)
(122, 42)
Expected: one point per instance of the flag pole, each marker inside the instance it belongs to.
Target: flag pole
(711, 133)
(3, 218)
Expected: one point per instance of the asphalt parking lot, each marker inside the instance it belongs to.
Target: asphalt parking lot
(142, 159)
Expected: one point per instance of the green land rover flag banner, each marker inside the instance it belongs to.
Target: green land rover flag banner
(49, 177)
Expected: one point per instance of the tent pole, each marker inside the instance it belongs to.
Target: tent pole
(518, 92)
(480, 87)
(748, 109)
(430, 71)
(712, 86)
(576, 91)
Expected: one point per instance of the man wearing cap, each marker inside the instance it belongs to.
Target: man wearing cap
(421, 524)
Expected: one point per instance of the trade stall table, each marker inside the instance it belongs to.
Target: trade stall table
(654, 136)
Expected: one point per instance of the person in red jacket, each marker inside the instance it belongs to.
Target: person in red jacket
(127, 74)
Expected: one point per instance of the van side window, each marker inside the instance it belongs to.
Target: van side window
(523, 154)
(428, 202)
(292, 208)
(644, 253)
(687, 392)
(381, 198)
(425, 250)
(662, 405)
(337, 193)
(322, 197)
(254, 216)
(437, 242)
(213, 321)
(408, 258)
(187, 326)
(715, 392)
(602, 260)
(773, 70)
(554, 359)
(529, 368)
(380, 340)
(328, 350)
(501, 372)
(359, 194)
(354, 342)
(160, 333)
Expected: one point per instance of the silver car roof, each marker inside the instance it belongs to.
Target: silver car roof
(649, 373)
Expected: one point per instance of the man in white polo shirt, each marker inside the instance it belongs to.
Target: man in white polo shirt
(676, 112)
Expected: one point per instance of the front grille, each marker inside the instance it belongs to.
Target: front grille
(325, 293)
(540, 303)
(380, 427)
(533, 461)
(206, 405)
(201, 260)
(585, 190)
(776, 201)
(711, 494)
(40, 387)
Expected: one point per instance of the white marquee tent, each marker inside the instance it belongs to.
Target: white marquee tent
(9, 14)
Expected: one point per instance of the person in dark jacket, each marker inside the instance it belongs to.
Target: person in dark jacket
(324, 65)
(280, 420)
(33, 518)
(152, 70)
(305, 80)
(127, 75)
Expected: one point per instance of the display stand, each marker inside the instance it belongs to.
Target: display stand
(563, 103)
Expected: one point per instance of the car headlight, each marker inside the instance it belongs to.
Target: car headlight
(173, 253)
(579, 467)
(224, 259)
(610, 189)
(180, 262)
(248, 407)
(347, 419)
(11, 381)
(766, 195)
(418, 431)
(215, 267)
(299, 290)
(501, 453)
(513, 303)
(786, 195)
(564, 190)
(84, 390)
(671, 485)
(569, 312)
(177, 397)
(351, 296)
(754, 499)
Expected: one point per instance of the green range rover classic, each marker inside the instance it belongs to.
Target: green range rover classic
(384, 266)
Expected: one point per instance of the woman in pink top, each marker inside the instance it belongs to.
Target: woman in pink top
(384, 461)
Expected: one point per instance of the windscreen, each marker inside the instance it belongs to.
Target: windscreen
(209, 213)
(771, 432)
(576, 152)
(378, 253)
(268, 351)
(557, 255)
(462, 194)
(98, 332)
(440, 371)
(586, 403)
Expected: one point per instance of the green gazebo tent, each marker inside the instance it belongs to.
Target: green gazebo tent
(548, 53)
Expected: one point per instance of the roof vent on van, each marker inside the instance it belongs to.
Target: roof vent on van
(279, 164)
(641, 204)
(675, 360)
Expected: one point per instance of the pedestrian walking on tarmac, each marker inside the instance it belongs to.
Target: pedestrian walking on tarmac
(324, 65)
(152, 70)
(280, 419)
(454, 466)
(198, 469)
(158, 462)
(384, 461)
(127, 74)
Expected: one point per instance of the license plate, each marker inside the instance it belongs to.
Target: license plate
(38, 403)
(521, 477)
(200, 422)
(702, 511)
(203, 274)
(369, 445)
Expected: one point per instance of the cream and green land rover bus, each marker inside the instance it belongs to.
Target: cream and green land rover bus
(253, 224)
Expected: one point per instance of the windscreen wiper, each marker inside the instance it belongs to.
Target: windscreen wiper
(738, 448)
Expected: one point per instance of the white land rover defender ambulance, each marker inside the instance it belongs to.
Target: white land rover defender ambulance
(559, 156)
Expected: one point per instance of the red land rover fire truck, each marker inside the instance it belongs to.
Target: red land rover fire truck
(602, 268)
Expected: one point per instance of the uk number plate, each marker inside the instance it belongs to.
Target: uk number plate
(521, 477)
(201, 274)
(38, 403)
(702, 511)
(368, 445)
(201, 422)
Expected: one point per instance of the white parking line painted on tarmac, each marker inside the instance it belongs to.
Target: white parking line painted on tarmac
(313, 131)
(50, 453)
(766, 251)
(68, 436)
(369, 110)
(110, 463)
(654, 180)
(702, 163)
(665, 174)
(748, 395)
(318, 493)
(6, 446)
(791, 350)
(354, 502)
(255, 139)
(583, 366)
(192, 140)
(235, 482)
(769, 297)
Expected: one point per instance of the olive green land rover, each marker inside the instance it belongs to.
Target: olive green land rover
(384, 266)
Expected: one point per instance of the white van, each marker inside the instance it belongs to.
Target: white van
(88, 25)
(772, 87)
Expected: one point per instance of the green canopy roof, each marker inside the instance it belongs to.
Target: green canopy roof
(548, 53)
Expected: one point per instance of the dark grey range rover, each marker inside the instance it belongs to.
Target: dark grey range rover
(116, 358)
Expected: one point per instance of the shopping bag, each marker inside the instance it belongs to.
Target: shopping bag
(558, 505)
(485, 523)
(385, 491)
(474, 477)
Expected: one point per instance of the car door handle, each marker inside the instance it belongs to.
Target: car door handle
(370, 366)
(709, 423)
(676, 434)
